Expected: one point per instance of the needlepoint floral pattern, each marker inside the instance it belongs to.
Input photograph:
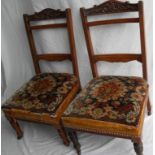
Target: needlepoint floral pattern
(43, 93)
(110, 98)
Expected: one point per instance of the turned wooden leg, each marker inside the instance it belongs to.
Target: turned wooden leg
(16, 126)
(148, 107)
(63, 136)
(138, 147)
(73, 136)
(76, 137)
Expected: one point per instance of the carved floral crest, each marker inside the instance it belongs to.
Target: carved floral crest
(111, 6)
(47, 14)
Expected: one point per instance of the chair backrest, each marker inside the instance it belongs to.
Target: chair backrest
(109, 7)
(49, 14)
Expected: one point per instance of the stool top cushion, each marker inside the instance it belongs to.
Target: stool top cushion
(110, 99)
(43, 93)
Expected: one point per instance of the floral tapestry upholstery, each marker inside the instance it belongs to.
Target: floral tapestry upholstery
(110, 98)
(43, 93)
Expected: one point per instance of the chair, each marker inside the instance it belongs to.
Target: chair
(111, 105)
(44, 97)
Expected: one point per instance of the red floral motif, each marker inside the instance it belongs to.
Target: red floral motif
(111, 89)
(41, 86)
(126, 107)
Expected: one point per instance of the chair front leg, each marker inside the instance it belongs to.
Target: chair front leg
(73, 136)
(63, 136)
(15, 126)
(138, 146)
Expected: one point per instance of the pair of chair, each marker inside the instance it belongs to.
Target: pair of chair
(108, 105)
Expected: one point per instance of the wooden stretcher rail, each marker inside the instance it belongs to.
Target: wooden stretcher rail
(117, 57)
(54, 57)
(48, 26)
(113, 21)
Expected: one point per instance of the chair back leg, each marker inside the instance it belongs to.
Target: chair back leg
(149, 108)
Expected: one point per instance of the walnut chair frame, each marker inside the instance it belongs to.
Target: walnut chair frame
(124, 7)
(13, 114)
(109, 7)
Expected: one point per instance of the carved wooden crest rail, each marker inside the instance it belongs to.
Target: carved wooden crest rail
(47, 14)
(112, 6)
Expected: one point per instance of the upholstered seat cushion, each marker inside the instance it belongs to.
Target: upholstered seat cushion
(114, 99)
(43, 93)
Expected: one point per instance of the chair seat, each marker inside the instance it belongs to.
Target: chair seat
(43, 93)
(108, 102)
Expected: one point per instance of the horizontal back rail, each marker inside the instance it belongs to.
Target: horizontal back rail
(113, 21)
(54, 57)
(48, 26)
(117, 57)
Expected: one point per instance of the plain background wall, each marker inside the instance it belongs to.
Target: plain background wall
(16, 59)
